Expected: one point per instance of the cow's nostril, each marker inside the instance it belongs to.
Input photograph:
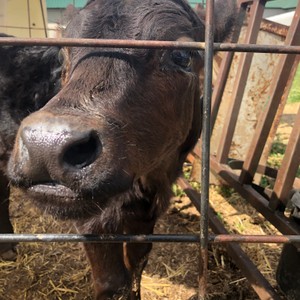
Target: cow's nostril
(83, 152)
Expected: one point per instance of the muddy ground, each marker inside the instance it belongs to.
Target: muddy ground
(60, 270)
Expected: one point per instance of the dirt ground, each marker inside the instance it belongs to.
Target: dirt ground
(60, 270)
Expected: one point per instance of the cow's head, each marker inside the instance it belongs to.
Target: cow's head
(125, 118)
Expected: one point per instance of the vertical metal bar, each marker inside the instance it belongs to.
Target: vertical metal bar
(224, 70)
(29, 20)
(44, 19)
(256, 14)
(288, 170)
(268, 146)
(208, 65)
(277, 87)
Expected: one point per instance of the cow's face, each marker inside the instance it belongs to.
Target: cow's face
(123, 116)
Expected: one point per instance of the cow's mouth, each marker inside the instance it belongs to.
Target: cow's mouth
(52, 189)
(60, 201)
(75, 202)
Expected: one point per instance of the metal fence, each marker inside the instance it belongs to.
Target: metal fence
(221, 165)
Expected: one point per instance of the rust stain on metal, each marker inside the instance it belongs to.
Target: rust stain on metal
(275, 28)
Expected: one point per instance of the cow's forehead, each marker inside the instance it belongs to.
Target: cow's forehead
(136, 19)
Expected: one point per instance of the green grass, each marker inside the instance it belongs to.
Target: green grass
(278, 148)
(274, 161)
(294, 95)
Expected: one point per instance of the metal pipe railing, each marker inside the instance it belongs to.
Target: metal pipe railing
(112, 43)
(205, 147)
(153, 238)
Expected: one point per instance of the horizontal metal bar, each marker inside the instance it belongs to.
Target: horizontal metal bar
(236, 238)
(111, 43)
(162, 238)
(103, 238)
(114, 43)
(281, 49)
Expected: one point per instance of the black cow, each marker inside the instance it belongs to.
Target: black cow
(29, 77)
(105, 150)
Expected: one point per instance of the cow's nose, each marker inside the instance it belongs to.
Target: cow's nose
(56, 146)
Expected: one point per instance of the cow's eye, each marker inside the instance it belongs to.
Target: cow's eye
(182, 58)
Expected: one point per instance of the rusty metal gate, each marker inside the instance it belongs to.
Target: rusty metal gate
(238, 174)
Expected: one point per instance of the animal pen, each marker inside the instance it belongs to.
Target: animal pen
(240, 174)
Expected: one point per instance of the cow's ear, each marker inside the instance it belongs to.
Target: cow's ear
(225, 17)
